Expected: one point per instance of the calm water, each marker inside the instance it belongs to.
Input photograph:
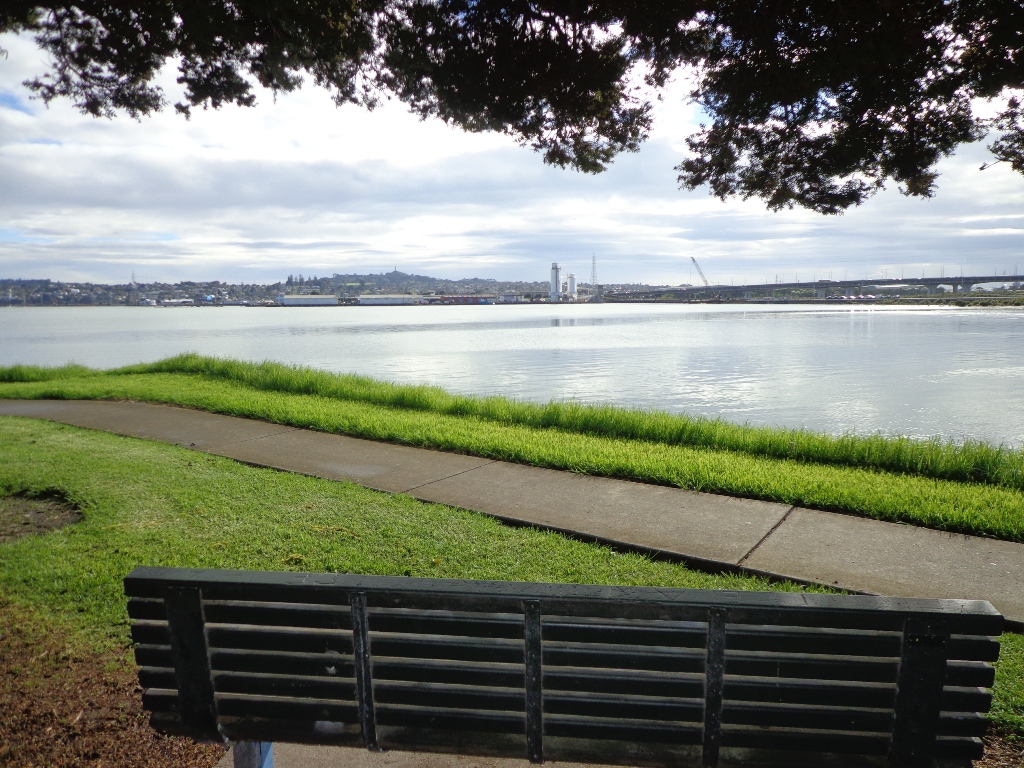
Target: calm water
(949, 372)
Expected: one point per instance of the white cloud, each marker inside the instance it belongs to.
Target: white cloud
(302, 186)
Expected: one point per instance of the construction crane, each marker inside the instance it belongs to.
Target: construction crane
(700, 271)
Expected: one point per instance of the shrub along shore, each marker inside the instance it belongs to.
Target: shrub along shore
(971, 488)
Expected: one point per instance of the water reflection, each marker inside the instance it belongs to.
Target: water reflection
(950, 372)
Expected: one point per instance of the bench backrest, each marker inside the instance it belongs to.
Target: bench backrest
(616, 675)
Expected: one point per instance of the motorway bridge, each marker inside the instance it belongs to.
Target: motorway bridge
(825, 288)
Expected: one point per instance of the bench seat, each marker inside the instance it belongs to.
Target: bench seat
(639, 676)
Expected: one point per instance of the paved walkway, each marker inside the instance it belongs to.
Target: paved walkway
(700, 528)
(305, 756)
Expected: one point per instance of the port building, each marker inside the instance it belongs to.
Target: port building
(308, 301)
(389, 300)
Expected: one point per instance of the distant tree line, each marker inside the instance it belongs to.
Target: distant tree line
(46, 292)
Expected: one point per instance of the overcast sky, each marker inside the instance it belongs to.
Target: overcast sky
(301, 186)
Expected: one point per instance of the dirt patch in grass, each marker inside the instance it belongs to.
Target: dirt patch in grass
(24, 515)
(62, 707)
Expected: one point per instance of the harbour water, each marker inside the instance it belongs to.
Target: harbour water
(953, 373)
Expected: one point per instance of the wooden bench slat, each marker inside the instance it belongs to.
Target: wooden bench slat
(498, 675)
(298, 640)
(161, 700)
(310, 664)
(838, 717)
(952, 748)
(664, 634)
(633, 657)
(962, 724)
(451, 647)
(299, 615)
(244, 705)
(452, 719)
(623, 730)
(157, 677)
(461, 623)
(805, 740)
(334, 688)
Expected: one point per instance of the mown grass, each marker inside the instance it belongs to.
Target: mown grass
(969, 461)
(154, 504)
(974, 508)
(147, 503)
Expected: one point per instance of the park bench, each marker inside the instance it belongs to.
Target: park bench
(637, 676)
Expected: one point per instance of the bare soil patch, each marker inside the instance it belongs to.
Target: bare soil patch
(1002, 752)
(61, 707)
(23, 515)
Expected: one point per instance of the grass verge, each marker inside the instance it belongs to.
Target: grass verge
(155, 504)
(964, 507)
(969, 461)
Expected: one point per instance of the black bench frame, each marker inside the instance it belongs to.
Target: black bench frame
(619, 675)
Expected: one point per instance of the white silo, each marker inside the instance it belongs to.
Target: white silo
(555, 294)
(571, 287)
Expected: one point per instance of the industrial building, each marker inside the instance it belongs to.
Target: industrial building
(467, 299)
(308, 301)
(562, 291)
(555, 294)
(389, 300)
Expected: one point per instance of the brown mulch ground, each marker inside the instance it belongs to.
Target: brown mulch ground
(24, 515)
(61, 707)
(1001, 752)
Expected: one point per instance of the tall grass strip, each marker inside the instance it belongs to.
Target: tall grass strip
(967, 461)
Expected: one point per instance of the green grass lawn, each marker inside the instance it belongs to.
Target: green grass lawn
(968, 488)
(155, 504)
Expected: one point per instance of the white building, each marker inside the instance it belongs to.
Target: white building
(389, 300)
(555, 294)
(308, 301)
(570, 288)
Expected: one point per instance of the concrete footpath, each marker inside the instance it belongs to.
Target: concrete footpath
(704, 529)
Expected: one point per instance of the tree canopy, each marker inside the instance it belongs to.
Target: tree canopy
(813, 103)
